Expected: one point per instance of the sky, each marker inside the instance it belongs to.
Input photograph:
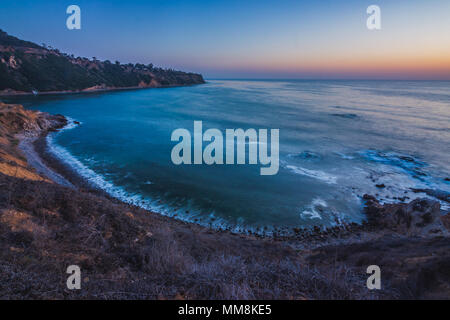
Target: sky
(326, 39)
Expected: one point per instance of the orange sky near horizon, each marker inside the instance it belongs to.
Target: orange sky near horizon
(254, 38)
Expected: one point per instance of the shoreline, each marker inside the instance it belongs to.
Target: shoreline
(14, 93)
(39, 157)
(58, 167)
(131, 253)
(36, 151)
(27, 146)
(38, 154)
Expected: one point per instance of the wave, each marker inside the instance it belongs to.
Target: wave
(92, 177)
(314, 209)
(306, 155)
(321, 210)
(407, 163)
(399, 177)
(344, 156)
(186, 213)
(315, 174)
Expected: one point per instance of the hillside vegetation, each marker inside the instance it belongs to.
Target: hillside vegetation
(27, 67)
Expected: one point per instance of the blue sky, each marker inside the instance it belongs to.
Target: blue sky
(249, 39)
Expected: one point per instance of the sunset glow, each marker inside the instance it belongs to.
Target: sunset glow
(257, 39)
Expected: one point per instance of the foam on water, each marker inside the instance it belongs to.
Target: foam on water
(186, 213)
(344, 156)
(392, 141)
(315, 174)
(313, 211)
(399, 174)
(391, 176)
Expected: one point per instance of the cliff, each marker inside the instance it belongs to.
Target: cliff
(125, 252)
(26, 67)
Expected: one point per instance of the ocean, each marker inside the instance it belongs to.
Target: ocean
(338, 140)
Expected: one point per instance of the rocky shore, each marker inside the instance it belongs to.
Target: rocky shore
(49, 220)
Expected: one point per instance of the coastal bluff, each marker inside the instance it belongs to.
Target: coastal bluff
(126, 252)
(27, 68)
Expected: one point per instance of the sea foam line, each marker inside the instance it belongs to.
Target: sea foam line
(90, 175)
(315, 174)
(98, 181)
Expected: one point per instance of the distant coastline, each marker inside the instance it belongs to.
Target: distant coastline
(11, 93)
(27, 68)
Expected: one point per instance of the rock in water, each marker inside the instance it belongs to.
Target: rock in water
(420, 217)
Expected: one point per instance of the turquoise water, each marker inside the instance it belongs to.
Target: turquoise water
(338, 140)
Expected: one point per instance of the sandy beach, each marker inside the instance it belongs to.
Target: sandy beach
(26, 145)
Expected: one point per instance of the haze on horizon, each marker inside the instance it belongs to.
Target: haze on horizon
(325, 39)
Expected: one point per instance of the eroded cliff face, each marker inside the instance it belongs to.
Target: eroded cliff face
(15, 119)
(15, 122)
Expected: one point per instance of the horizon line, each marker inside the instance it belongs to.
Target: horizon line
(322, 79)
